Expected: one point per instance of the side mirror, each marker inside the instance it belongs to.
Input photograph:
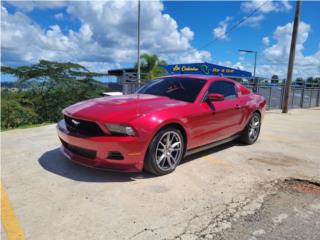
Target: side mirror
(215, 97)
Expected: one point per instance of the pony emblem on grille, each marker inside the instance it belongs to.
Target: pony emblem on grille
(75, 122)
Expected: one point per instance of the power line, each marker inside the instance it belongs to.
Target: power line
(236, 25)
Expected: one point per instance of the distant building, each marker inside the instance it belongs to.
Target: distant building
(126, 79)
(206, 69)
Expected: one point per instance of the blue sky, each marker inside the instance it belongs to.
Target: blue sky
(205, 16)
(102, 35)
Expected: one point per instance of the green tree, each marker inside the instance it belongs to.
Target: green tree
(316, 82)
(151, 67)
(54, 86)
(275, 79)
(309, 82)
(300, 81)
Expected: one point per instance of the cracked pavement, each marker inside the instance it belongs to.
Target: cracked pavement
(211, 195)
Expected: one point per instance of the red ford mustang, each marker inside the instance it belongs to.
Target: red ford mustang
(162, 122)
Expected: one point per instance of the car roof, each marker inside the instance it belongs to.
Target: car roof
(200, 76)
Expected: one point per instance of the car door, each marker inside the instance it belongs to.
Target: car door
(221, 119)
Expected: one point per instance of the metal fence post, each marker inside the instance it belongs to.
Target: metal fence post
(282, 95)
(318, 96)
(292, 102)
(270, 95)
(302, 98)
(311, 91)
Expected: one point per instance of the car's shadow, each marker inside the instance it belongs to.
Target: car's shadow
(54, 161)
(211, 151)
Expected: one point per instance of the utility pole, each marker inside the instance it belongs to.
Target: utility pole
(254, 66)
(138, 64)
(291, 57)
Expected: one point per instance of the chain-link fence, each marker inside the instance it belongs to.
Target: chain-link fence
(300, 97)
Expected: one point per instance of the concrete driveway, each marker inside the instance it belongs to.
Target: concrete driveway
(52, 198)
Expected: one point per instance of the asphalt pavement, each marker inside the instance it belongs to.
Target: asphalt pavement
(231, 191)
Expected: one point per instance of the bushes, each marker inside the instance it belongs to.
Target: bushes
(13, 114)
(36, 105)
(53, 86)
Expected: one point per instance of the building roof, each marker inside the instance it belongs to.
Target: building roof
(119, 72)
(206, 69)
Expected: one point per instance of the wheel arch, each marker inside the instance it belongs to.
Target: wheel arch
(257, 111)
(250, 115)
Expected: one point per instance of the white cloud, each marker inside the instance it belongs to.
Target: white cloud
(261, 8)
(237, 65)
(253, 21)
(107, 34)
(28, 6)
(86, 32)
(241, 58)
(59, 16)
(192, 56)
(255, 11)
(186, 32)
(220, 31)
(279, 52)
(265, 6)
(266, 41)
(97, 66)
(275, 57)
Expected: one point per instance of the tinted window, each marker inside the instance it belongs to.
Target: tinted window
(184, 89)
(225, 88)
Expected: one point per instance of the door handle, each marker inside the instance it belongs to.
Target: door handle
(237, 106)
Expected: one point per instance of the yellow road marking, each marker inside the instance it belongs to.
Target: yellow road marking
(9, 220)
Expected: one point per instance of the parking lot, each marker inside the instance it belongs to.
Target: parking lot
(53, 198)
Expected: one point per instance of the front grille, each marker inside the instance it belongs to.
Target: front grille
(79, 151)
(83, 127)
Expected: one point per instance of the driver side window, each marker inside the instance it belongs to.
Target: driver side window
(225, 88)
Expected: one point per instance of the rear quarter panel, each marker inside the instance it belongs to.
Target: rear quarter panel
(252, 103)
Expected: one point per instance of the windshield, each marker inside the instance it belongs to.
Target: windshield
(184, 89)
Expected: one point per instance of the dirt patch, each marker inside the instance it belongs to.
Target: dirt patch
(303, 186)
(276, 160)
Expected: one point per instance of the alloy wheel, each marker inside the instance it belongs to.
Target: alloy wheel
(254, 127)
(169, 150)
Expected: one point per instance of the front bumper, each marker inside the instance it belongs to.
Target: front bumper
(95, 151)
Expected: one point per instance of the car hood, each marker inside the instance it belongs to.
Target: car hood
(120, 108)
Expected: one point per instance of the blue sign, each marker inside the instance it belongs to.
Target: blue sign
(206, 69)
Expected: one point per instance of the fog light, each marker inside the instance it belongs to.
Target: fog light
(115, 156)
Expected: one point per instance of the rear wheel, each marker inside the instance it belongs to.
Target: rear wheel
(252, 130)
(165, 152)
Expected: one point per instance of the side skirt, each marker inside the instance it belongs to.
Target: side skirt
(211, 145)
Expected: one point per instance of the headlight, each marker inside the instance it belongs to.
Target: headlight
(118, 129)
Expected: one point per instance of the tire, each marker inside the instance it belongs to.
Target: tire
(251, 132)
(162, 156)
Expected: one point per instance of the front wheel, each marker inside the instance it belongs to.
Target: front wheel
(252, 130)
(165, 152)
